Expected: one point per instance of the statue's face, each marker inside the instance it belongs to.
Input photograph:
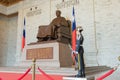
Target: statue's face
(58, 13)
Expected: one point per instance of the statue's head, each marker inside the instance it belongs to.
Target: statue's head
(58, 13)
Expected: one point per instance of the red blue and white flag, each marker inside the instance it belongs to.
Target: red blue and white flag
(24, 35)
(73, 31)
(73, 37)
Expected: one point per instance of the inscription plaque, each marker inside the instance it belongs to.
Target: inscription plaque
(40, 53)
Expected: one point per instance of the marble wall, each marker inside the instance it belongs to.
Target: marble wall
(3, 40)
(12, 38)
(107, 20)
(8, 32)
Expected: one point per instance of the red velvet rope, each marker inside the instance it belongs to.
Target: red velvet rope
(25, 74)
(105, 75)
(50, 78)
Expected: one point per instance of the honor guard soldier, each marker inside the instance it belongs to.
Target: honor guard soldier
(80, 52)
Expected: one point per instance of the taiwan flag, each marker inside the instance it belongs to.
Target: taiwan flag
(73, 36)
(23, 36)
(73, 31)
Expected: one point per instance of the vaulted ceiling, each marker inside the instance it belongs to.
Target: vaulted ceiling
(9, 2)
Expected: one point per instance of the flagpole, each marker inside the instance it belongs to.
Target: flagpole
(73, 35)
(74, 40)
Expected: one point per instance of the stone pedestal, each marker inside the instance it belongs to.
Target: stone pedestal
(48, 54)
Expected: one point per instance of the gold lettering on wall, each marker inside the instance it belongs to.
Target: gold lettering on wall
(33, 11)
(66, 4)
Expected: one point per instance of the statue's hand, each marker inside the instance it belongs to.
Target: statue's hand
(57, 25)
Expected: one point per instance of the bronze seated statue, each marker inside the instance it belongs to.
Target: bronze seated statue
(58, 29)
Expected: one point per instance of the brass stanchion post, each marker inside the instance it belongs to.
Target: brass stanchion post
(119, 58)
(33, 69)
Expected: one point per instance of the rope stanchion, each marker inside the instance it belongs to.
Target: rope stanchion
(25, 74)
(106, 74)
(109, 72)
(46, 75)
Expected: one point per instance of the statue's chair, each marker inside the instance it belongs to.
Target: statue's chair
(62, 33)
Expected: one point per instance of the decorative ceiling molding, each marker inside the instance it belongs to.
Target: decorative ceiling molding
(10, 15)
(9, 2)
